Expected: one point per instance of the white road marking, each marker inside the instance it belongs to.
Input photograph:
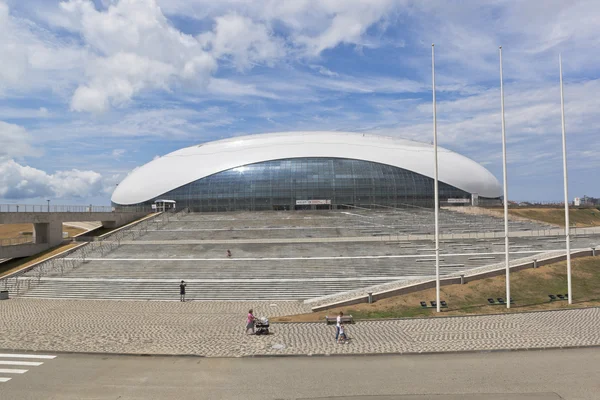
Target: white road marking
(13, 371)
(24, 363)
(16, 362)
(27, 356)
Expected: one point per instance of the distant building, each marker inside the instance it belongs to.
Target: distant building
(586, 201)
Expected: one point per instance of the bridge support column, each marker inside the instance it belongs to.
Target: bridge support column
(47, 232)
(109, 224)
(118, 220)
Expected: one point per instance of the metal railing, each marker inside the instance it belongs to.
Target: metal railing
(28, 278)
(16, 241)
(70, 208)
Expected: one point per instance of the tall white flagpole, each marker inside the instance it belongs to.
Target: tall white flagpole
(566, 181)
(435, 187)
(505, 181)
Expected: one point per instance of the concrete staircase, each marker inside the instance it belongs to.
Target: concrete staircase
(139, 269)
(197, 290)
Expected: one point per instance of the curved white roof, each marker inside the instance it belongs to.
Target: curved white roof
(192, 163)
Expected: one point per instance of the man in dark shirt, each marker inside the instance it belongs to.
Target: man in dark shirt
(182, 291)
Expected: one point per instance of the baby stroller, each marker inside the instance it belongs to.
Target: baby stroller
(262, 326)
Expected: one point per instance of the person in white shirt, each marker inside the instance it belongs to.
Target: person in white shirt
(338, 325)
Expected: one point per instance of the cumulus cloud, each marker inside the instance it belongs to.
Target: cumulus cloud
(18, 181)
(244, 41)
(15, 141)
(30, 54)
(22, 182)
(116, 79)
(136, 48)
(346, 22)
(313, 26)
(119, 49)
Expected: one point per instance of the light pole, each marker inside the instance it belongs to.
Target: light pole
(48, 205)
(566, 181)
(435, 186)
(505, 181)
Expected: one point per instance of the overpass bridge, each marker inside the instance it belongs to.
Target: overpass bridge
(47, 223)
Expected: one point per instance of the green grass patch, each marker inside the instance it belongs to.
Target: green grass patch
(580, 217)
(529, 289)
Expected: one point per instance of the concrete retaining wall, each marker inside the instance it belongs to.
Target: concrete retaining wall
(48, 227)
(451, 281)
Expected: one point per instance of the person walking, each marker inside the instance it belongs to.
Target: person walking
(182, 291)
(338, 325)
(342, 338)
(250, 322)
(228, 253)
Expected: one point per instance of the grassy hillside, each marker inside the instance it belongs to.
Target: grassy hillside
(15, 231)
(580, 217)
(529, 288)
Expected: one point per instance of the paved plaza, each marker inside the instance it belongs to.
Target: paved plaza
(216, 329)
(278, 260)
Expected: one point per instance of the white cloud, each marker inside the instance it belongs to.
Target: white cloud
(134, 127)
(324, 71)
(233, 89)
(15, 141)
(13, 112)
(116, 79)
(467, 36)
(347, 22)
(313, 26)
(118, 153)
(137, 48)
(34, 58)
(243, 40)
(23, 182)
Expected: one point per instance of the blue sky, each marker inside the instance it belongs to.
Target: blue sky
(90, 90)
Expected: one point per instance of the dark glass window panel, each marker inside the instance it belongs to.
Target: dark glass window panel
(271, 184)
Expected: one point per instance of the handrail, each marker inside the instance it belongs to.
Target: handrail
(16, 241)
(70, 208)
(30, 276)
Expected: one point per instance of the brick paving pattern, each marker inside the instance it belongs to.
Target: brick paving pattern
(215, 329)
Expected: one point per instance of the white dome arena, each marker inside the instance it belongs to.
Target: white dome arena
(274, 170)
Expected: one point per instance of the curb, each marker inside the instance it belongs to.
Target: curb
(417, 353)
(409, 353)
(356, 320)
(100, 353)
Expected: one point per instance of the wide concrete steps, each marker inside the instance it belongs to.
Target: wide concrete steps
(240, 271)
(200, 290)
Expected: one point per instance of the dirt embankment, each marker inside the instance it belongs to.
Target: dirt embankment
(578, 217)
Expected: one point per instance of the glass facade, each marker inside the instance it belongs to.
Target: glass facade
(279, 184)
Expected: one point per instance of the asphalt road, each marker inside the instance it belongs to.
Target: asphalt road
(524, 375)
